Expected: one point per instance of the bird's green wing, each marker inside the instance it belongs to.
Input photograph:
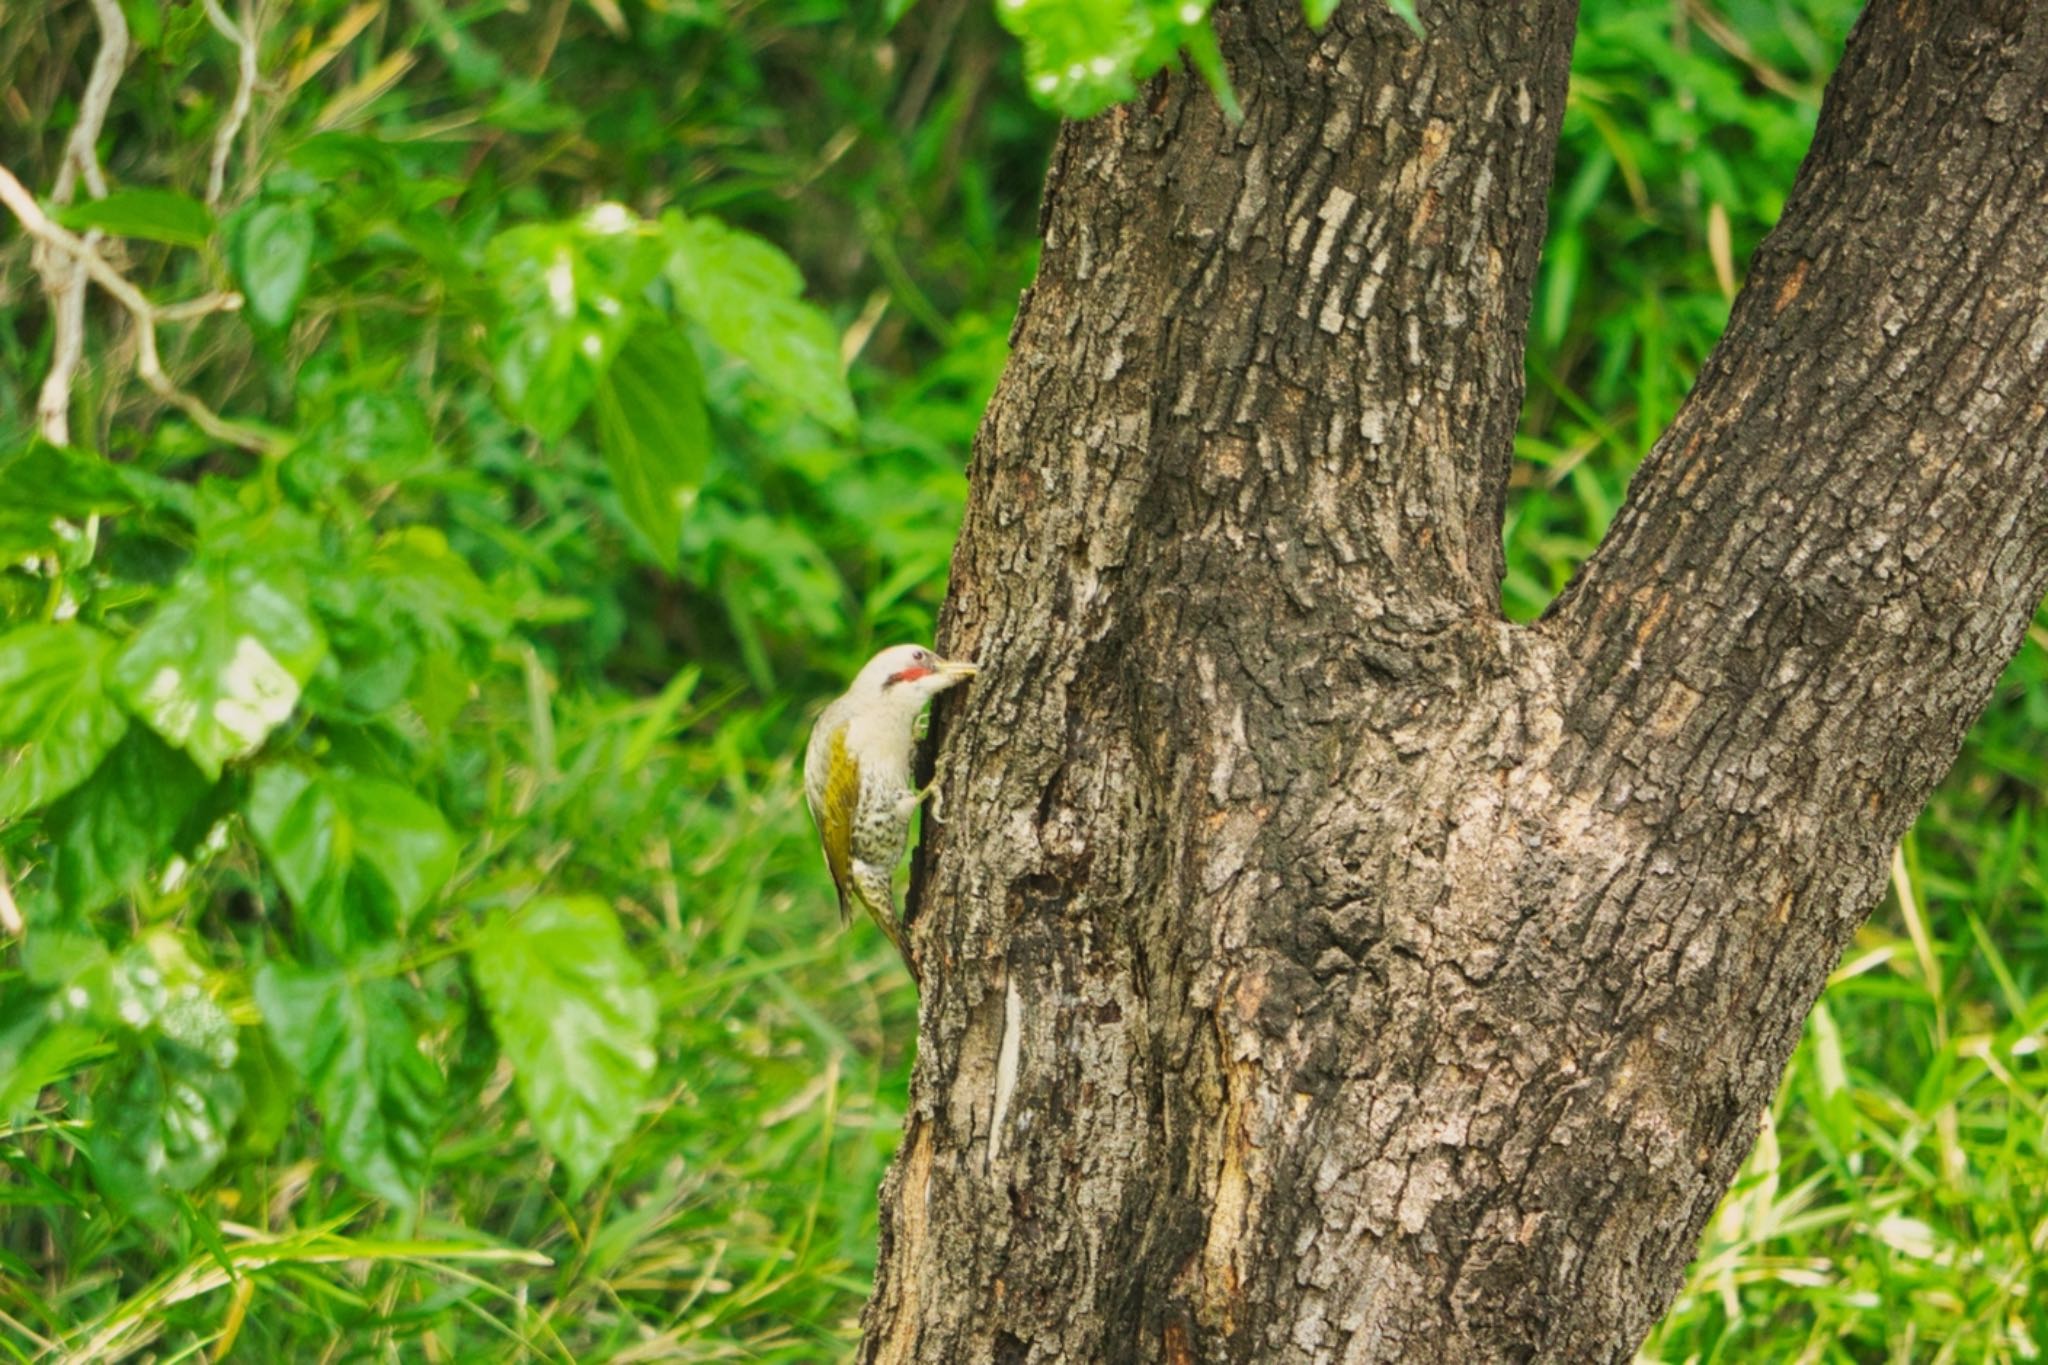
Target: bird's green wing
(835, 821)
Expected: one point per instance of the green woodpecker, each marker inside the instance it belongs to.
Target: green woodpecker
(857, 776)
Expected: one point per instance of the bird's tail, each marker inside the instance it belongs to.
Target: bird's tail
(874, 887)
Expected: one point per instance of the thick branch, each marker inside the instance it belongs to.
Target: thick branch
(1852, 505)
(1318, 314)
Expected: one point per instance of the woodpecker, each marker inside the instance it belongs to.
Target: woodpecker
(857, 777)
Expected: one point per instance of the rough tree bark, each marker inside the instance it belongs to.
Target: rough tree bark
(1316, 966)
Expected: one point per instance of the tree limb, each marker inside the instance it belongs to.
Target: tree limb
(1814, 523)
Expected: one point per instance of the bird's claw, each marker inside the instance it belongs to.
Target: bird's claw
(938, 811)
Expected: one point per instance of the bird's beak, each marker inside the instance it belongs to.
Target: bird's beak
(957, 670)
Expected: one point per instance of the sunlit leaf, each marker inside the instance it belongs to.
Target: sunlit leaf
(109, 831)
(352, 1041)
(55, 712)
(157, 215)
(574, 1013)
(160, 1125)
(221, 662)
(569, 295)
(1081, 56)
(270, 249)
(749, 297)
(655, 433)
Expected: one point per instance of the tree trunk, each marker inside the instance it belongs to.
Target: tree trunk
(1316, 966)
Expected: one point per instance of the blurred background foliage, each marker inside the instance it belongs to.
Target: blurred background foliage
(425, 953)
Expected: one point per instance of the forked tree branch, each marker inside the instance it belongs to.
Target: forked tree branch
(148, 362)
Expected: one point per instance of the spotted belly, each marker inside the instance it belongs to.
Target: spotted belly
(881, 828)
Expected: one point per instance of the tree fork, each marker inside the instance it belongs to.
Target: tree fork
(1318, 967)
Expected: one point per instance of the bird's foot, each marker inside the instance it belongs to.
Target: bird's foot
(937, 799)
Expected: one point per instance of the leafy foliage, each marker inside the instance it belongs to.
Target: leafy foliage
(402, 802)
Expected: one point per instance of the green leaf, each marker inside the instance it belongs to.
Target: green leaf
(157, 215)
(160, 1124)
(40, 1044)
(45, 482)
(300, 828)
(748, 296)
(655, 434)
(268, 1092)
(54, 710)
(221, 663)
(352, 1041)
(575, 1015)
(358, 855)
(1405, 9)
(270, 251)
(399, 837)
(122, 821)
(569, 295)
(428, 584)
(1081, 56)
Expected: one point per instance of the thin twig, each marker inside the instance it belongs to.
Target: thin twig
(1735, 45)
(62, 281)
(148, 363)
(66, 288)
(225, 301)
(81, 149)
(243, 36)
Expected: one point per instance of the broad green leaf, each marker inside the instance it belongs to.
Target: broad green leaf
(569, 295)
(221, 662)
(358, 855)
(271, 250)
(1081, 56)
(120, 822)
(300, 828)
(268, 1092)
(352, 1041)
(575, 1015)
(157, 215)
(160, 1125)
(655, 433)
(748, 296)
(45, 482)
(399, 837)
(428, 584)
(40, 1044)
(55, 712)
(1318, 12)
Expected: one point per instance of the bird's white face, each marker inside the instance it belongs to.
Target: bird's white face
(907, 676)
